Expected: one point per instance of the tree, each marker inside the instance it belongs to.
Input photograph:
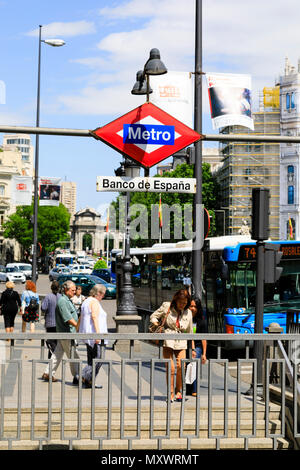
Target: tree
(100, 264)
(53, 226)
(210, 200)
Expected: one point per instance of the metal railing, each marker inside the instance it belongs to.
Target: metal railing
(133, 408)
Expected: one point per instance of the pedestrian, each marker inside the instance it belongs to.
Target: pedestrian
(93, 320)
(10, 303)
(30, 306)
(48, 308)
(178, 320)
(66, 322)
(199, 326)
(78, 299)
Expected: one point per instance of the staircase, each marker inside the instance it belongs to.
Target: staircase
(54, 432)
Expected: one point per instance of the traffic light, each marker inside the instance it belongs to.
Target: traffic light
(272, 259)
(260, 214)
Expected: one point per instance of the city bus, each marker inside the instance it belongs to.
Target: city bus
(228, 285)
(65, 258)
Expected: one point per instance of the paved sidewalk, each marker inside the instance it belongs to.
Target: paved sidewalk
(35, 392)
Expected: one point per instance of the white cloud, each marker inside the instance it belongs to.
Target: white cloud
(14, 119)
(238, 37)
(94, 101)
(75, 28)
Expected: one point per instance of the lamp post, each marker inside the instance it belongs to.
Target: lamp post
(153, 66)
(53, 43)
(197, 205)
(127, 316)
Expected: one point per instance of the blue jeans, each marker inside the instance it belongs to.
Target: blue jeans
(198, 356)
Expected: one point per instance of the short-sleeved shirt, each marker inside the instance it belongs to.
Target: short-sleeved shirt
(48, 307)
(65, 311)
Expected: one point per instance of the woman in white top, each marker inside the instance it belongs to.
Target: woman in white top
(78, 299)
(93, 320)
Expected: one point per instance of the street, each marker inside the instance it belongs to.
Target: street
(43, 288)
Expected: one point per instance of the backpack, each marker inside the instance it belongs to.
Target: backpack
(33, 304)
(31, 311)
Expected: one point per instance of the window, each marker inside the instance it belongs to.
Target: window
(290, 101)
(290, 172)
(2, 189)
(291, 195)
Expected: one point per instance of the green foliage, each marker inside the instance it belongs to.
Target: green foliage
(100, 264)
(53, 226)
(210, 200)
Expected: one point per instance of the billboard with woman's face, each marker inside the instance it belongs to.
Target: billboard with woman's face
(230, 100)
(50, 191)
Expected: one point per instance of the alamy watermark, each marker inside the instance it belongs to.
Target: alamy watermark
(2, 92)
(161, 222)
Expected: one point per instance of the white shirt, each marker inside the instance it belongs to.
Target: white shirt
(86, 321)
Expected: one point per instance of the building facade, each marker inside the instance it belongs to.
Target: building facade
(11, 164)
(289, 168)
(21, 143)
(68, 195)
(88, 232)
(251, 165)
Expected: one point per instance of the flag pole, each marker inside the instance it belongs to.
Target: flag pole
(160, 217)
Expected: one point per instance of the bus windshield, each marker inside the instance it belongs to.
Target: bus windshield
(241, 287)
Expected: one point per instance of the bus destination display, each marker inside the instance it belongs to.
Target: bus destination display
(290, 251)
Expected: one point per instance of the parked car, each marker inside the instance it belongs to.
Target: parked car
(25, 268)
(12, 274)
(87, 281)
(55, 272)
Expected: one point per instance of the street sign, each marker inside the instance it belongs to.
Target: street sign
(153, 185)
(147, 135)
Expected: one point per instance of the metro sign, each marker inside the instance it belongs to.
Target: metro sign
(147, 134)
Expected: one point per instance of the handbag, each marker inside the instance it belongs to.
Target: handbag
(160, 328)
(191, 372)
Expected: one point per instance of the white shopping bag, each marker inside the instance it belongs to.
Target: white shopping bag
(191, 372)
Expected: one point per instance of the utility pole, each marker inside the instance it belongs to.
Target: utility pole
(197, 206)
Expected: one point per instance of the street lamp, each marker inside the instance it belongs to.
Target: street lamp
(53, 43)
(126, 305)
(153, 66)
(127, 316)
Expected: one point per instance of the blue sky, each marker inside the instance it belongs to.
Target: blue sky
(87, 83)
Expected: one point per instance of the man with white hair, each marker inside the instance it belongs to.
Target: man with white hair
(66, 322)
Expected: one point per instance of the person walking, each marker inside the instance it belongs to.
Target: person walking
(199, 326)
(178, 319)
(48, 308)
(10, 303)
(93, 320)
(30, 306)
(66, 322)
(78, 300)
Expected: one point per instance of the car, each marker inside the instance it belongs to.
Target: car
(103, 273)
(55, 272)
(12, 274)
(81, 269)
(25, 268)
(87, 281)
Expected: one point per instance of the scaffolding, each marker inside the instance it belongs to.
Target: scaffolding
(247, 165)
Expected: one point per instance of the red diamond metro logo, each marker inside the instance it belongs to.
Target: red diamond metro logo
(147, 135)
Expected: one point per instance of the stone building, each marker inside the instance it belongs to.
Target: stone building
(88, 231)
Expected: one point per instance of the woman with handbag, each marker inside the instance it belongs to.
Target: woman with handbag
(177, 318)
(10, 303)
